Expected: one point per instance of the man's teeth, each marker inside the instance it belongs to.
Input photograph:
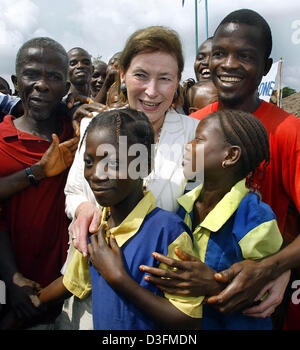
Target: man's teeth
(230, 79)
(205, 71)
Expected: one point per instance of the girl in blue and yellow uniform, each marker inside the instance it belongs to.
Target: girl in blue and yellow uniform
(229, 221)
(132, 228)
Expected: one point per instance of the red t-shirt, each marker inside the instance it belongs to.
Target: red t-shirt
(35, 217)
(280, 184)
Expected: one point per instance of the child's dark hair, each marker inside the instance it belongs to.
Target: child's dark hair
(246, 131)
(125, 122)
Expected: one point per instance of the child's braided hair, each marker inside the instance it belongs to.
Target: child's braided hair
(125, 122)
(246, 131)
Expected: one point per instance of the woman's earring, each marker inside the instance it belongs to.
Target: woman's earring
(123, 88)
(175, 96)
(223, 164)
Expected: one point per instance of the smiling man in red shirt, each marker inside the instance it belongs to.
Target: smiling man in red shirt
(237, 66)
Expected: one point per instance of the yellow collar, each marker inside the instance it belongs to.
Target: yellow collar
(187, 200)
(216, 218)
(131, 224)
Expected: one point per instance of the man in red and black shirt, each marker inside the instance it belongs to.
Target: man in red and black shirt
(35, 151)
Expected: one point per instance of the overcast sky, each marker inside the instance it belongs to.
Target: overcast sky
(102, 26)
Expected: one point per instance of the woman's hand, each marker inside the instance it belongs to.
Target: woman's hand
(88, 218)
(107, 258)
(188, 276)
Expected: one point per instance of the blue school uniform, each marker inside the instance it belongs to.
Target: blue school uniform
(239, 227)
(147, 229)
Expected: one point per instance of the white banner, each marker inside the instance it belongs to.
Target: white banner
(267, 84)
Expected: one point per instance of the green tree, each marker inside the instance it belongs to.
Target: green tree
(286, 91)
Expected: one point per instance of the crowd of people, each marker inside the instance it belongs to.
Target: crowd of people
(205, 237)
